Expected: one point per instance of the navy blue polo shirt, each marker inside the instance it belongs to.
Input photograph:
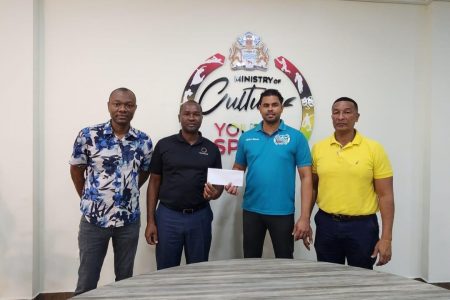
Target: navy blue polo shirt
(183, 169)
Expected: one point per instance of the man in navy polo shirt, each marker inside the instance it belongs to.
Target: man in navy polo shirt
(270, 153)
(178, 179)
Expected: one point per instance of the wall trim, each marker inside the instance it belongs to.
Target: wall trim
(54, 296)
(410, 2)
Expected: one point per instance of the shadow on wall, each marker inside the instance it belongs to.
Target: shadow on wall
(7, 236)
(60, 253)
(145, 260)
(16, 248)
(227, 228)
(7, 222)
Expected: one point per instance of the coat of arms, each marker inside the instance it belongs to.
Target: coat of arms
(249, 53)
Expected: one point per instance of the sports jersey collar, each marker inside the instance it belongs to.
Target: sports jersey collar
(281, 127)
(356, 140)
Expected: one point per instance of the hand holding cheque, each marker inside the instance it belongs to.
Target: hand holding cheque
(231, 179)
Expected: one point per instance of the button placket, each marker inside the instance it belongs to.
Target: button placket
(117, 175)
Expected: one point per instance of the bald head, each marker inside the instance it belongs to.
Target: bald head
(189, 103)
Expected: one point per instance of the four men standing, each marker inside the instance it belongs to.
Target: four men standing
(351, 178)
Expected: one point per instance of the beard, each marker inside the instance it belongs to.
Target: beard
(272, 121)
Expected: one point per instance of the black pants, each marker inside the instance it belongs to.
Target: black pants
(280, 229)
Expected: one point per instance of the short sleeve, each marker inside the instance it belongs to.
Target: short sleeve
(382, 166)
(156, 161)
(241, 159)
(79, 152)
(148, 151)
(218, 161)
(314, 159)
(303, 155)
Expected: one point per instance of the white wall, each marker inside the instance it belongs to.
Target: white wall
(380, 54)
(439, 241)
(16, 151)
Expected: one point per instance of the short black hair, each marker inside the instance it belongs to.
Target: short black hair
(270, 92)
(123, 90)
(347, 99)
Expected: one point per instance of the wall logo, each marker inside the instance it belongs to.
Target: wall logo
(231, 94)
(249, 53)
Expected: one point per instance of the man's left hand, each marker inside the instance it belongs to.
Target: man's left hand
(383, 249)
(303, 230)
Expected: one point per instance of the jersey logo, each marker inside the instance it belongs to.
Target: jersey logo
(282, 139)
(251, 139)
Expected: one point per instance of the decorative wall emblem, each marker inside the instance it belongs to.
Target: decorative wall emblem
(200, 74)
(249, 53)
(237, 90)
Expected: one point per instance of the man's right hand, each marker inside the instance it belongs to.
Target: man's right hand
(151, 234)
(231, 189)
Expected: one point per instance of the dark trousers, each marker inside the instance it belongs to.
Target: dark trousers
(352, 240)
(178, 230)
(280, 229)
(93, 244)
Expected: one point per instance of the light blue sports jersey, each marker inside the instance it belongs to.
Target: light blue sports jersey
(271, 163)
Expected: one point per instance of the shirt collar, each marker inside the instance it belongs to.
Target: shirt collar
(282, 126)
(356, 140)
(109, 130)
(181, 138)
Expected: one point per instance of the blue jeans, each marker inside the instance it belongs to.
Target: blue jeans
(352, 240)
(93, 244)
(178, 230)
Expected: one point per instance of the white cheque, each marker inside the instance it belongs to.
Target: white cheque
(224, 177)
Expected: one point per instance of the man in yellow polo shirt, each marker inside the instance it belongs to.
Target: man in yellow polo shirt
(352, 179)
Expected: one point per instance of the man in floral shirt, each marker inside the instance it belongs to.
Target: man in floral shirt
(109, 163)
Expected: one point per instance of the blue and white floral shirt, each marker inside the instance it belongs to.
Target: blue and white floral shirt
(110, 196)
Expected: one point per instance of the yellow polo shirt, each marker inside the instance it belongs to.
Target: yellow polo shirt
(346, 174)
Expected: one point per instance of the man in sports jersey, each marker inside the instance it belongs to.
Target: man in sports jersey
(271, 153)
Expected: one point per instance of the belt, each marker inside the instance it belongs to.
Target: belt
(186, 210)
(344, 218)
